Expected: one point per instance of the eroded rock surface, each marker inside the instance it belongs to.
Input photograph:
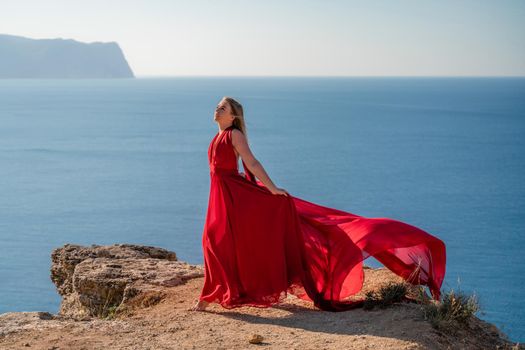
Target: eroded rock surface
(99, 280)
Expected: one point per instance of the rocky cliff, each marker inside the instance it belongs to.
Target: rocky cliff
(59, 58)
(138, 297)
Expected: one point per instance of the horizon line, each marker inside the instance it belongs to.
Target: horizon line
(326, 76)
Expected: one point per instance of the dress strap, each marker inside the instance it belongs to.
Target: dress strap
(248, 174)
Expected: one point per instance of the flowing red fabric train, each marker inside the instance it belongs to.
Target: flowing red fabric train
(258, 246)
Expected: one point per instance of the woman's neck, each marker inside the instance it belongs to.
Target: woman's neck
(222, 129)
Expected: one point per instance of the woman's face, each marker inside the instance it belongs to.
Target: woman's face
(223, 112)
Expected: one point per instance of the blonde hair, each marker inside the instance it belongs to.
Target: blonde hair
(238, 112)
(239, 124)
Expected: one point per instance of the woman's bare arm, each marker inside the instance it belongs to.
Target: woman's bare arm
(241, 145)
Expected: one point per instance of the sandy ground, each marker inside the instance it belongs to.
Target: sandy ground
(294, 324)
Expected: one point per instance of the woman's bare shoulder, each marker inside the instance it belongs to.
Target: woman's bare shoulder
(238, 135)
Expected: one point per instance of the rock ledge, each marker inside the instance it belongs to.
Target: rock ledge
(98, 280)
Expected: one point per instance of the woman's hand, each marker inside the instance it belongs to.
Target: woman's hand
(278, 190)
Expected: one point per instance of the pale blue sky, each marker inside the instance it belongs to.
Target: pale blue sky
(287, 38)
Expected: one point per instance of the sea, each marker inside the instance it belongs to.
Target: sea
(102, 161)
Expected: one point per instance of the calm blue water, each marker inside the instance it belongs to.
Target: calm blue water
(125, 161)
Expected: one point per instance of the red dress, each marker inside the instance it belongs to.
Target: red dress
(259, 246)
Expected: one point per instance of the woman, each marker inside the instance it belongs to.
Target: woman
(260, 243)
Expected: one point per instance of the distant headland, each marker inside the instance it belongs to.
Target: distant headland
(22, 57)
